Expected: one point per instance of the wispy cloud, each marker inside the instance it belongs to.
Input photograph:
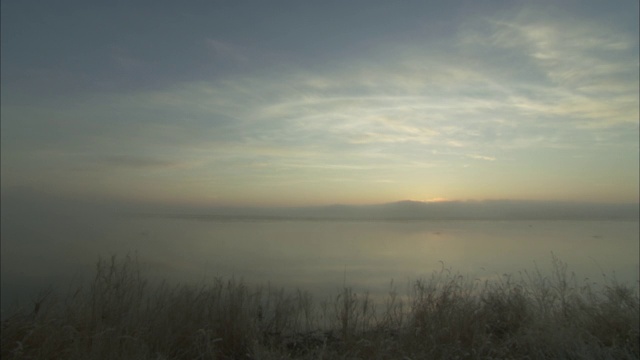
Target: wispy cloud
(481, 157)
(588, 72)
(138, 162)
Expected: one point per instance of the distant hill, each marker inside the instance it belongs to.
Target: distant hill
(446, 210)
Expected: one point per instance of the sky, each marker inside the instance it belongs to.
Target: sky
(298, 103)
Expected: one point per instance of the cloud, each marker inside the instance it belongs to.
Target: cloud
(279, 116)
(511, 85)
(588, 71)
(404, 97)
(482, 157)
(138, 162)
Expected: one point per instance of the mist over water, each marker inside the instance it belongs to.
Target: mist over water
(51, 244)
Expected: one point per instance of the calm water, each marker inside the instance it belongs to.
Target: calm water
(318, 256)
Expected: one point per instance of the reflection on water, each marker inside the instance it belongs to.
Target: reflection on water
(320, 256)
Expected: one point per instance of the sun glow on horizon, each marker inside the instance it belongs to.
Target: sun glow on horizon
(437, 199)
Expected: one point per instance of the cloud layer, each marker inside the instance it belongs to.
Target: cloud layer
(522, 103)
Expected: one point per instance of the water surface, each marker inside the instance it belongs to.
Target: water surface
(316, 255)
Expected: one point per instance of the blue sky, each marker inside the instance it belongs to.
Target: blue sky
(305, 103)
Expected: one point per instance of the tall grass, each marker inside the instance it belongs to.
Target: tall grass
(120, 315)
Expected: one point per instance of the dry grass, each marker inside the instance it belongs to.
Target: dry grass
(534, 316)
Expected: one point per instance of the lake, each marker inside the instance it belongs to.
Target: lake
(319, 256)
